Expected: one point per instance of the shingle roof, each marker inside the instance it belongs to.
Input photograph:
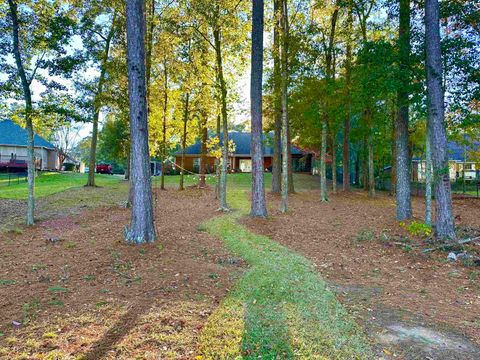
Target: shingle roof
(14, 135)
(456, 151)
(242, 142)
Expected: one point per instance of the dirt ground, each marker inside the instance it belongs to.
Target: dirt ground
(71, 285)
(373, 265)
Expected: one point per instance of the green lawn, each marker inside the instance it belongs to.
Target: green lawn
(281, 308)
(51, 183)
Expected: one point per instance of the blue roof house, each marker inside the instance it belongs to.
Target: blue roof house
(13, 149)
(241, 159)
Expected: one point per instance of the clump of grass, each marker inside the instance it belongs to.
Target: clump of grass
(56, 302)
(30, 310)
(365, 234)
(7, 282)
(89, 277)
(58, 289)
(69, 245)
(213, 276)
(38, 266)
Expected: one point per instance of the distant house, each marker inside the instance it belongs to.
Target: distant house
(459, 156)
(241, 159)
(13, 149)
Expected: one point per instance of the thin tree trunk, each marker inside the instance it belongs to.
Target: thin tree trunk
(28, 113)
(258, 206)
(334, 165)
(445, 226)
(141, 227)
(223, 97)
(323, 165)
(184, 141)
(348, 81)
(127, 167)
(371, 168)
(285, 122)
(164, 125)
(291, 187)
(202, 183)
(277, 148)
(428, 182)
(148, 61)
(403, 190)
(97, 104)
(393, 178)
(217, 161)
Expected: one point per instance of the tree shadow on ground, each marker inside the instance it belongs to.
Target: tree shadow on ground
(117, 332)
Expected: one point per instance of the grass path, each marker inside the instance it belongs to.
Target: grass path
(281, 308)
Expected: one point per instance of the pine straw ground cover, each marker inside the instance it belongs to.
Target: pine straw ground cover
(78, 291)
(374, 262)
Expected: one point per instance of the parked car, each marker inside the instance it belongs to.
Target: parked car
(104, 169)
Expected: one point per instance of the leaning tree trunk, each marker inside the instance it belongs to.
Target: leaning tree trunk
(141, 227)
(284, 88)
(258, 208)
(428, 182)
(97, 106)
(445, 226)
(277, 148)
(184, 142)
(28, 113)
(403, 191)
(223, 97)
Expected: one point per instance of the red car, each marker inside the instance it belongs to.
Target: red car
(104, 169)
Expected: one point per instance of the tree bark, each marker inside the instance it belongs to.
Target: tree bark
(445, 226)
(184, 141)
(141, 227)
(223, 97)
(323, 165)
(97, 105)
(28, 113)
(371, 168)
(285, 122)
(403, 190)
(428, 182)
(277, 148)
(258, 206)
(348, 83)
(202, 183)
(334, 164)
(164, 125)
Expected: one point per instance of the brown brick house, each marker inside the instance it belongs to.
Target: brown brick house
(241, 159)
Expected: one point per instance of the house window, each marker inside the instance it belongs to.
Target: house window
(468, 166)
(196, 165)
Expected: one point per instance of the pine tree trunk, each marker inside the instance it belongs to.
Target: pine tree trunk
(371, 168)
(323, 165)
(184, 142)
(428, 182)
(97, 105)
(30, 218)
(285, 122)
(141, 227)
(223, 97)
(164, 125)
(348, 82)
(217, 161)
(258, 207)
(291, 187)
(445, 226)
(202, 183)
(403, 190)
(334, 165)
(277, 148)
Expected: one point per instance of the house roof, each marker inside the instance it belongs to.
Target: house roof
(456, 151)
(242, 142)
(12, 134)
